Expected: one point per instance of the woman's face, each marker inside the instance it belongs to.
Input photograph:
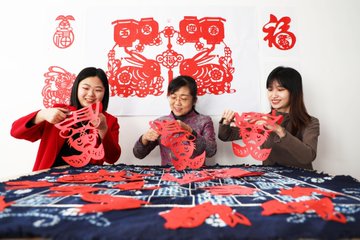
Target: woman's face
(181, 101)
(279, 97)
(90, 90)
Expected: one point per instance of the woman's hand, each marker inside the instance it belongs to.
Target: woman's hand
(228, 116)
(150, 136)
(51, 115)
(102, 127)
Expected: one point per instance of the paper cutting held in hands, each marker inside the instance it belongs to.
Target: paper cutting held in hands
(80, 130)
(180, 142)
(254, 130)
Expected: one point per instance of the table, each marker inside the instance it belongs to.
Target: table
(34, 213)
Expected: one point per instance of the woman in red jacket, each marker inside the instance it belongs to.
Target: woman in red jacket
(90, 86)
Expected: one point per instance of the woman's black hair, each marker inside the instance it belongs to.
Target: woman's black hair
(291, 80)
(85, 73)
(181, 81)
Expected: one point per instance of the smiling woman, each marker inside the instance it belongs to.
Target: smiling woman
(90, 86)
(182, 96)
(294, 141)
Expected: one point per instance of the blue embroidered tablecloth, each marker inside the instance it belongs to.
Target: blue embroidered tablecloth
(34, 214)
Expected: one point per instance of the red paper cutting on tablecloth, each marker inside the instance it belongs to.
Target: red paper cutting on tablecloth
(195, 216)
(180, 142)
(136, 185)
(232, 173)
(323, 207)
(201, 176)
(14, 185)
(296, 192)
(80, 130)
(254, 133)
(230, 190)
(102, 176)
(105, 202)
(62, 191)
(4, 204)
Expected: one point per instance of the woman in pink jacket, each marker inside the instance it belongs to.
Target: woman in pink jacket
(90, 86)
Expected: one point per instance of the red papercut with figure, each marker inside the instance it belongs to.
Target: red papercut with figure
(80, 130)
(58, 85)
(64, 35)
(254, 133)
(133, 72)
(278, 33)
(180, 142)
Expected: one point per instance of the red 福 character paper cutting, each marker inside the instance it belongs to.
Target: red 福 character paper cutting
(254, 130)
(180, 142)
(80, 130)
(278, 34)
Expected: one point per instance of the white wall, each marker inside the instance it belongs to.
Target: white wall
(329, 60)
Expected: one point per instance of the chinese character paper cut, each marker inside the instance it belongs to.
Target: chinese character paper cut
(80, 130)
(278, 33)
(180, 142)
(64, 35)
(132, 72)
(254, 130)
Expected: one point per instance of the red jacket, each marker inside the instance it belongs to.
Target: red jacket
(51, 142)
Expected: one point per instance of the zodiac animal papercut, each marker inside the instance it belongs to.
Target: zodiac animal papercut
(58, 84)
(81, 133)
(180, 142)
(137, 73)
(254, 133)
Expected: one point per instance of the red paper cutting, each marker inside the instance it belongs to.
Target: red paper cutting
(254, 133)
(180, 142)
(195, 216)
(4, 204)
(230, 190)
(105, 202)
(134, 73)
(80, 130)
(62, 191)
(323, 207)
(58, 85)
(232, 173)
(97, 177)
(187, 178)
(64, 35)
(296, 192)
(278, 34)
(130, 186)
(14, 185)
(102, 176)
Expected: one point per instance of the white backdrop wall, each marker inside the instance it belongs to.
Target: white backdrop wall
(327, 54)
